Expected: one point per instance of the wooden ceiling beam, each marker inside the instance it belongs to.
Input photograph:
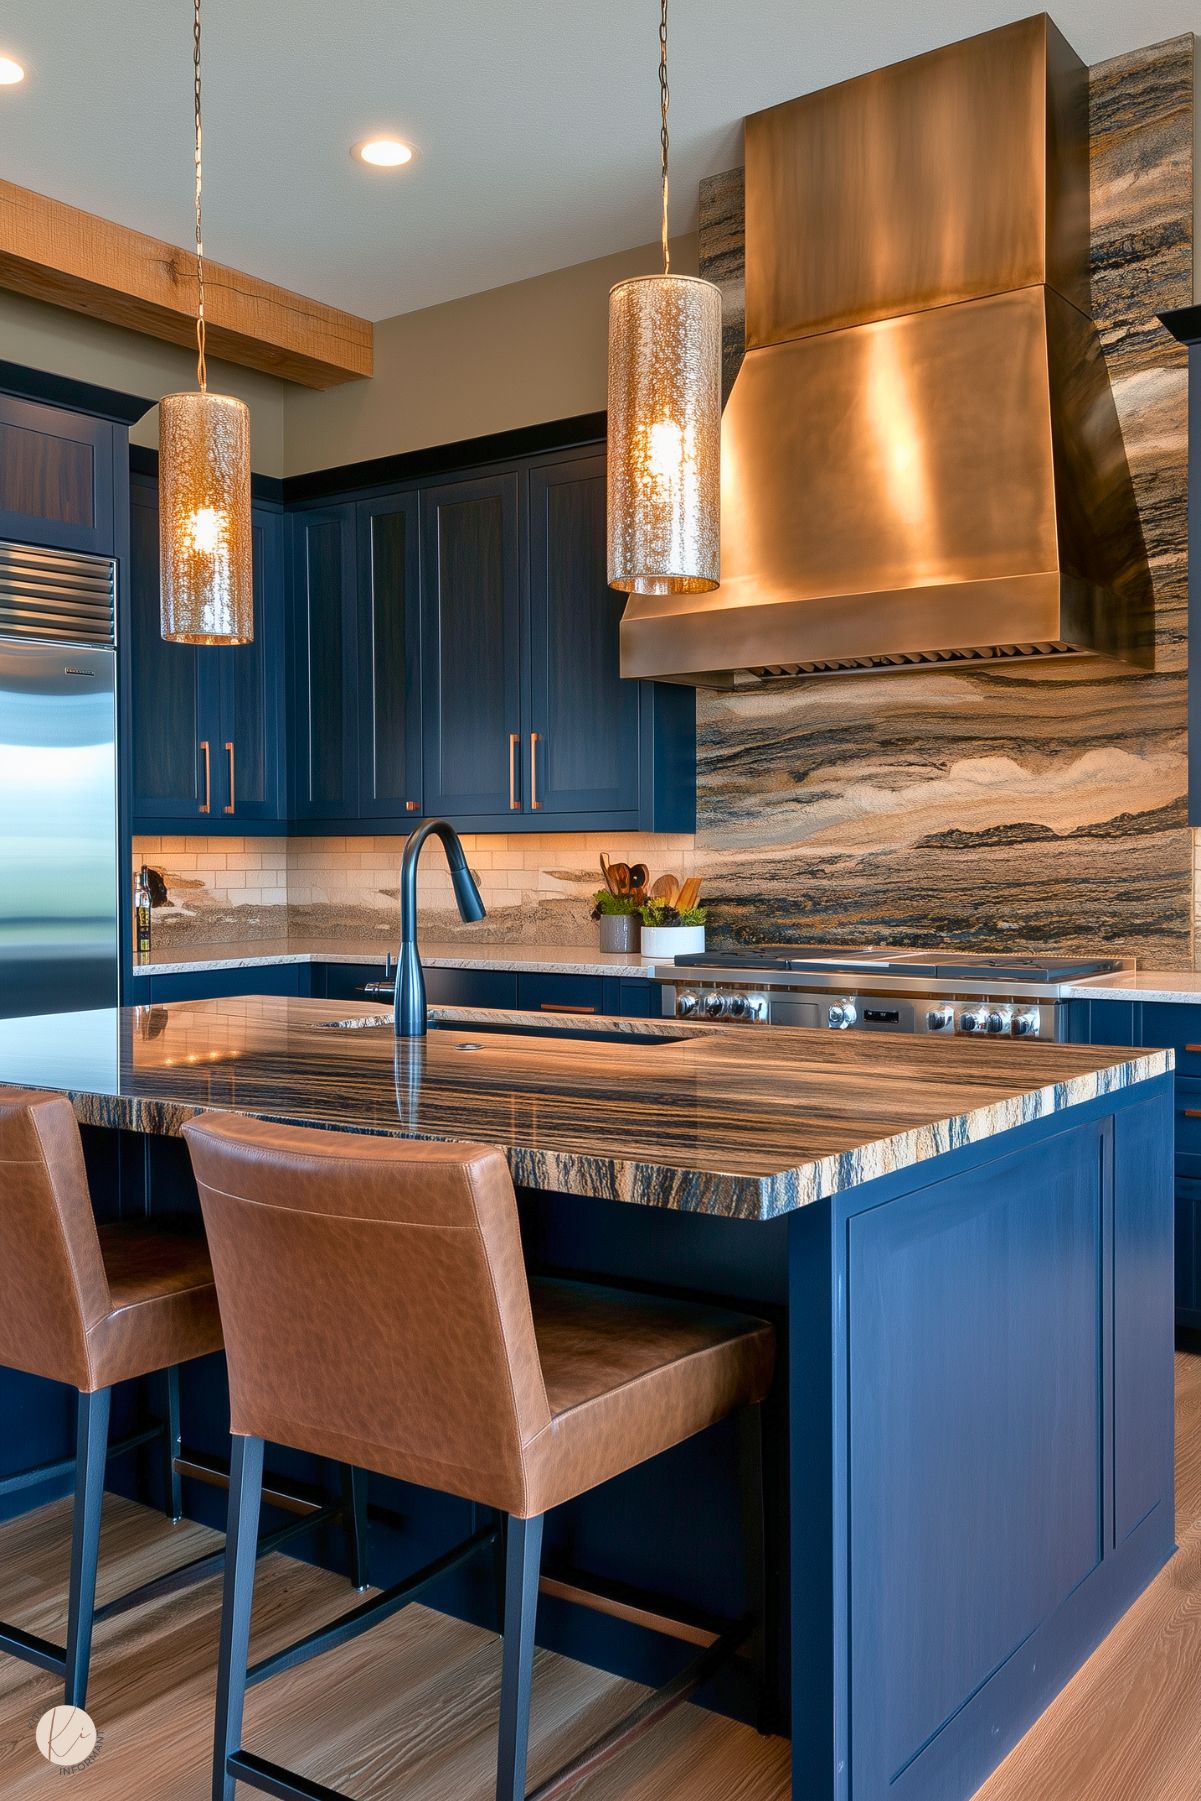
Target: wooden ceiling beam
(75, 259)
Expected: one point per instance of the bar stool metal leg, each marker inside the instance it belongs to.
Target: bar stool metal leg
(91, 1450)
(523, 1558)
(241, 1551)
(172, 1481)
(354, 1506)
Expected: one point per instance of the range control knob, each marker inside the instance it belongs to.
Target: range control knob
(715, 1006)
(998, 1020)
(974, 1019)
(686, 1004)
(940, 1019)
(735, 1007)
(841, 1015)
(1026, 1023)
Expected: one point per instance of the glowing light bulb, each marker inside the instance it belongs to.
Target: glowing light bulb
(666, 450)
(206, 530)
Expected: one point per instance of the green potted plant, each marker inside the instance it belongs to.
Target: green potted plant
(617, 917)
(671, 931)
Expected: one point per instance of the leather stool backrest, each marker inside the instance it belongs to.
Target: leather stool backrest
(52, 1281)
(374, 1301)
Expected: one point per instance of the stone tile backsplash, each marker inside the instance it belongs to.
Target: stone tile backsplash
(538, 888)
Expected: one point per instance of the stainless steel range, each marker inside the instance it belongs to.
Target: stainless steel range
(880, 990)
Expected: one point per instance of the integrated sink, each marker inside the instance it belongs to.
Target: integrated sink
(469, 1029)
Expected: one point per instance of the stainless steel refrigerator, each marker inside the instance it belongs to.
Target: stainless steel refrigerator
(59, 905)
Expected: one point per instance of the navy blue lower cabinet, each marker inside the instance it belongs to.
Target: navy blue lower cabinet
(471, 987)
(217, 984)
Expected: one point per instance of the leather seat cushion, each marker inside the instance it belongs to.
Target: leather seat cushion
(163, 1303)
(629, 1375)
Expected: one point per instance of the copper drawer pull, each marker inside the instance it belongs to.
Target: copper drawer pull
(411, 806)
(558, 1007)
(1194, 1048)
(230, 750)
(535, 740)
(205, 804)
(514, 741)
(1192, 1113)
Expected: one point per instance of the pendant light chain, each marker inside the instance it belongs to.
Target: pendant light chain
(201, 371)
(664, 101)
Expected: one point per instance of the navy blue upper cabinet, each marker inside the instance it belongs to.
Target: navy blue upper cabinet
(583, 719)
(57, 477)
(207, 722)
(248, 771)
(175, 689)
(389, 639)
(323, 647)
(472, 649)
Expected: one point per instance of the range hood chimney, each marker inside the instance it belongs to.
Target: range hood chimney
(921, 456)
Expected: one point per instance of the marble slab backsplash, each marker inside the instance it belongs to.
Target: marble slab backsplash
(1025, 807)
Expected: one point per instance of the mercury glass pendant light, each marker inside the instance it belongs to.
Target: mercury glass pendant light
(205, 558)
(664, 419)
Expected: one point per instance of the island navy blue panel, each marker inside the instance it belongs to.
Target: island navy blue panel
(975, 1480)
(1143, 1398)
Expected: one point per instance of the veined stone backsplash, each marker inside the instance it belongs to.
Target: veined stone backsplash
(537, 887)
(1021, 807)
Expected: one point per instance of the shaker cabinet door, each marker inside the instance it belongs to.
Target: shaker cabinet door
(324, 663)
(472, 649)
(247, 778)
(174, 690)
(389, 636)
(583, 749)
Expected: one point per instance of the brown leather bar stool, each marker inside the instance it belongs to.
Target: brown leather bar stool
(90, 1306)
(377, 1310)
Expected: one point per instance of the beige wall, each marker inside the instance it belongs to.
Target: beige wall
(511, 356)
(66, 343)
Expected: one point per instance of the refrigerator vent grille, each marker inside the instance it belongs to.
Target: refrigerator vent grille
(57, 595)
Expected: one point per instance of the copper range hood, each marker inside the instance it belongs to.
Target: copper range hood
(922, 461)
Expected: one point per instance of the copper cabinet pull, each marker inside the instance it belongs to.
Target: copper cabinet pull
(230, 749)
(205, 805)
(411, 806)
(561, 1007)
(514, 741)
(1194, 1048)
(535, 740)
(1192, 1113)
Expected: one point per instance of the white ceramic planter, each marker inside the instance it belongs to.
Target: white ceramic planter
(672, 941)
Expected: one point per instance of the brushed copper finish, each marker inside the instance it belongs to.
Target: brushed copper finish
(921, 456)
(952, 176)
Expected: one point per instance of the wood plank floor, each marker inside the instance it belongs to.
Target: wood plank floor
(411, 1708)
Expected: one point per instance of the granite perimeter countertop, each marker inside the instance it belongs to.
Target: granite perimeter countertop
(561, 959)
(706, 1119)
(1142, 985)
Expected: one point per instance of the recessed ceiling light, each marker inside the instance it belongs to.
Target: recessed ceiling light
(384, 153)
(10, 72)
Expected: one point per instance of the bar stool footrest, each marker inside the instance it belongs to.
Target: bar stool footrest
(272, 1779)
(32, 1649)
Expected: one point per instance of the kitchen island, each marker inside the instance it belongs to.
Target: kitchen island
(966, 1247)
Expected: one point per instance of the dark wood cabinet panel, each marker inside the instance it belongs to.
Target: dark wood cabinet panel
(325, 664)
(174, 688)
(389, 637)
(471, 647)
(57, 477)
(586, 750)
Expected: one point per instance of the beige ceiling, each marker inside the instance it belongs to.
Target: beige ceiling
(536, 121)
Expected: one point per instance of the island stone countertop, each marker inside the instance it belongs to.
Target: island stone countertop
(560, 959)
(749, 1124)
(1183, 985)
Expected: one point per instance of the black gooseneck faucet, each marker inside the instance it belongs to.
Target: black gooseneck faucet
(410, 982)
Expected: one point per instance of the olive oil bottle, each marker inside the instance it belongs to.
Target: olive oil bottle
(141, 903)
